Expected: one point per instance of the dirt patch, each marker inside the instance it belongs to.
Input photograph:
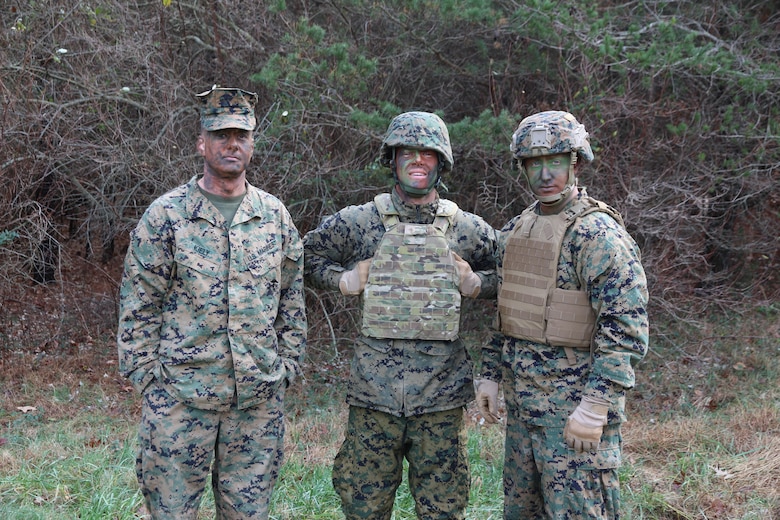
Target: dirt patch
(57, 342)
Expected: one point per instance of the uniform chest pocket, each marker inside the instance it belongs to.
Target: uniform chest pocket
(263, 260)
(189, 259)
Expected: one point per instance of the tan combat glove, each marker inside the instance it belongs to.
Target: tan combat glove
(353, 282)
(470, 282)
(585, 424)
(487, 399)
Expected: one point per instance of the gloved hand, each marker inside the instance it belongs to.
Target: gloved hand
(353, 282)
(585, 424)
(487, 399)
(470, 282)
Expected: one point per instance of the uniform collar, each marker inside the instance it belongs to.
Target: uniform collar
(417, 213)
(198, 206)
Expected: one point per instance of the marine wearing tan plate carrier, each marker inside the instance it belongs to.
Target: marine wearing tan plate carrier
(530, 305)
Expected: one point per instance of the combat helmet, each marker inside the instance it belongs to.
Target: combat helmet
(550, 133)
(419, 131)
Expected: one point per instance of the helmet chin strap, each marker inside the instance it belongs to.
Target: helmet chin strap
(417, 192)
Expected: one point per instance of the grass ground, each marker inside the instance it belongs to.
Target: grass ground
(703, 441)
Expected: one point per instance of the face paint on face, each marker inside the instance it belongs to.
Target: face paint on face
(547, 175)
(227, 152)
(416, 169)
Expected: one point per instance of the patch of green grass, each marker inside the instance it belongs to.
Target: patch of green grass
(305, 492)
(67, 471)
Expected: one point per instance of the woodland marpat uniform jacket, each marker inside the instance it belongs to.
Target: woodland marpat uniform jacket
(397, 376)
(216, 314)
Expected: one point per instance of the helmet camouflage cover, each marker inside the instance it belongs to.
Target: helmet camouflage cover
(420, 131)
(550, 133)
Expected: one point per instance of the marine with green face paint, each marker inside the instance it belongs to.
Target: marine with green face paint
(572, 324)
(409, 256)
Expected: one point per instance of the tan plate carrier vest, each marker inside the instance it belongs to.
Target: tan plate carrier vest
(530, 305)
(412, 289)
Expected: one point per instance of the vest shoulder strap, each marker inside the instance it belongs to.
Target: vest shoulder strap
(445, 213)
(388, 213)
(587, 205)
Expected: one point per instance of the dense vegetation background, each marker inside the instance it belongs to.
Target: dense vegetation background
(682, 101)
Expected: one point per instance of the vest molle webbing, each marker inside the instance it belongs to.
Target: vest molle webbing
(530, 305)
(412, 290)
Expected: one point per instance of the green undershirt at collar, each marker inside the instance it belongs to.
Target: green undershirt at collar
(228, 206)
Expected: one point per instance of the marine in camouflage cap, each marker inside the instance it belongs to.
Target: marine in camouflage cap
(227, 108)
(212, 326)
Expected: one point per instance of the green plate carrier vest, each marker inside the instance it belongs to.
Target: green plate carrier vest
(412, 289)
(530, 306)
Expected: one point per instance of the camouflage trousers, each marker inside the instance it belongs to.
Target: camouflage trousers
(544, 478)
(177, 445)
(369, 466)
